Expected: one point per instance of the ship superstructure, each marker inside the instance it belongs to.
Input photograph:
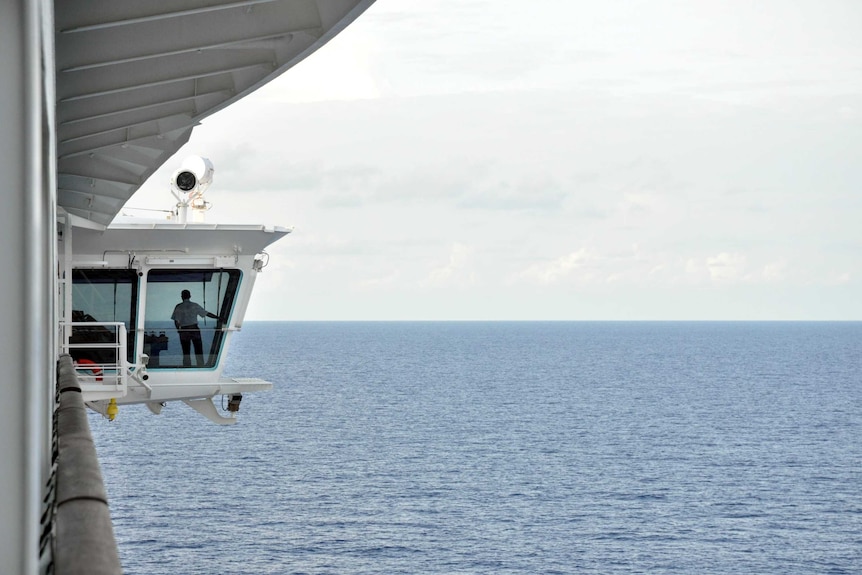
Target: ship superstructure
(123, 292)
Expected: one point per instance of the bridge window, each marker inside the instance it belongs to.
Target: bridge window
(179, 328)
(103, 295)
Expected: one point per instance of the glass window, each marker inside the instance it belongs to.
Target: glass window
(103, 295)
(185, 314)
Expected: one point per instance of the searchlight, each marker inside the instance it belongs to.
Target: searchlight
(188, 185)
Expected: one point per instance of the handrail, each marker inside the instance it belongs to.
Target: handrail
(84, 539)
(101, 363)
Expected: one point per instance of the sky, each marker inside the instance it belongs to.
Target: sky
(555, 160)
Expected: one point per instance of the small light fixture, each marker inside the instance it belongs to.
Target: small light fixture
(233, 402)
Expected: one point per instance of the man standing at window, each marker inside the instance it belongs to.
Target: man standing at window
(185, 317)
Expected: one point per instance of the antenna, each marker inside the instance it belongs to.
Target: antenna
(188, 185)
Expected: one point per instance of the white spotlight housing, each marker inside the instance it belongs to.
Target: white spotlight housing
(194, 176)
(188, 185)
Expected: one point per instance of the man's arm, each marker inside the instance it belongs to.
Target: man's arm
(202, 312)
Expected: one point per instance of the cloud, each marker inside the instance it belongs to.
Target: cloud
(726, 267)
(774, 271)
(579, 264)
(729, 268)
(839, 278)
(457, 272)
(639, 202)
(540, 194)
(637, 267)
(377, 283)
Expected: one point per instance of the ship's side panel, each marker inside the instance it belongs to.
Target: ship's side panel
(26, 256)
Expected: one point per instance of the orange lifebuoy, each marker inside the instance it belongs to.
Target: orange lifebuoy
(97, 371)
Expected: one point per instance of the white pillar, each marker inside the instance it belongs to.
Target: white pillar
(27, 165)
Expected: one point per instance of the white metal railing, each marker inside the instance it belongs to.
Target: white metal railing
(99, 353)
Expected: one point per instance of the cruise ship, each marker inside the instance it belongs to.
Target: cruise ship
(96, 97)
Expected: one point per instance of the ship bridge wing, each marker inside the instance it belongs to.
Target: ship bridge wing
(134, 78)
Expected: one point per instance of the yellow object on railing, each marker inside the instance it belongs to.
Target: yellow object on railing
(113, 410)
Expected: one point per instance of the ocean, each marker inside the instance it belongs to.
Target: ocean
(505, 447)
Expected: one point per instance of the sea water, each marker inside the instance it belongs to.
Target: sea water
(506, 448)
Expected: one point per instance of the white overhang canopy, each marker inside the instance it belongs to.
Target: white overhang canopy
(133, 78)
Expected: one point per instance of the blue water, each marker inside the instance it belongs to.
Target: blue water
(506, 448)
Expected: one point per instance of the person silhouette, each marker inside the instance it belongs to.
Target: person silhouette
(185, 318)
